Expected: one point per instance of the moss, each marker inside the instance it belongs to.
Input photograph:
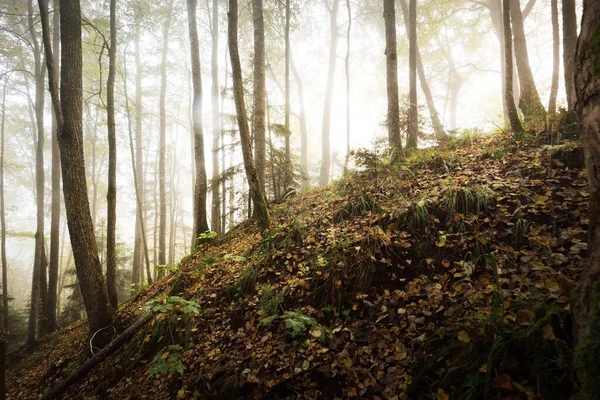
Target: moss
(587, 354)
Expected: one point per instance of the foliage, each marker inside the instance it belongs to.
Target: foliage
(298, 323)
(168, 360)
(270, 300)
(167, 268)
(167, 304)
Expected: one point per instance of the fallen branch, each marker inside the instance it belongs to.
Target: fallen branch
(91, 363)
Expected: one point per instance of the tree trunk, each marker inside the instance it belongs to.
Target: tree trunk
(70, 140)
(585, 302)
(56, 195)
(438, 128)
(5, 323)
(413, 122)
(258, 115)
(162, 243)
(326, 125)
(288, 132)
(347, 72)
(391, 56)
(39, 283)
(302, 120)
(529, 101)
(258, 197)
(200, 221)
(137, 274)
(111, 195)
(215, 219)
(511, 108)
(569, 28)
(555, 63)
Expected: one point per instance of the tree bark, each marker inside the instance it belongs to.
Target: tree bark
(585, 301)
(347, 73)
(39, 282)
(509, 100)
(438, 128)
(288, 132)
(326, 124)
(391, 56)
(215, 220)
(70, 140)
(56, 195)
(162, 242)
(256, 193)
(529, 101)
(5, 322)
(569, 28)
(137, 272)
(258, 115)
(555, 63)
(302, 121)
(413, 116)
(200, 187)
(111, 195)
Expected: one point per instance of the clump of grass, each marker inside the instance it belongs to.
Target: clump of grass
(469, 199)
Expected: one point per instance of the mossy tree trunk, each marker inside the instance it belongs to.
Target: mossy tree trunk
(511, 108)
(391, 67)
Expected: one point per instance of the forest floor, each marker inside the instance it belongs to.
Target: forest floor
(444, 275)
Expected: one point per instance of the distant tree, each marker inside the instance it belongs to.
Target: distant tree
(138, 254)
(529, 100)
(326, 124)
(302, 121)
(200, 221)
(111, 195)
(259, 109)
(53, 266)
(347, 72)
(69, 118)
(288, 133)
(555, 62)
(215, 219)
(5, 319)
(391, 56)
(413, 114)
(256, 193)
(162, 172)
(585, 301)
(569, 28)
(509, 100)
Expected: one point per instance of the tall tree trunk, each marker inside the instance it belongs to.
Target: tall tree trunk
(258, 115)
(569, 28)
(70, 140)
(39, 283)
(513, 117)
(391, 56)
(137, 274)
(200, 221)
(438, 128)
(413, 122)
(326, 125)
(257, 194)
(56, 195)
(111, 195)
(555, 63)
(302, 120)
(136, 183)
(162, 243)
(529, 101)
(5, 323)
(215, 219)
(288, 132)
(585, 302)
(347, 73)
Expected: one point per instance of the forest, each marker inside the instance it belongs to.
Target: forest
(300, 199)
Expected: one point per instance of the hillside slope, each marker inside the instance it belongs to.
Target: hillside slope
(445, 275)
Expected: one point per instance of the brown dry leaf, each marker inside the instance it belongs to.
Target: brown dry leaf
(464, 337)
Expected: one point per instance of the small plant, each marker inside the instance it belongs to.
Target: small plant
(247, 283)
(469, 200)
(298, 323)
(168, 360)
(270, 300)
(234, 258)
(167, 268)
(205, 236)
(167, 304)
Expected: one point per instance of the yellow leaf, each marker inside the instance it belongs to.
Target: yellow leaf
(442, 241)
(316, 333)
(180, 393)
(441, 395)
(464, 337)
(549, 333)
